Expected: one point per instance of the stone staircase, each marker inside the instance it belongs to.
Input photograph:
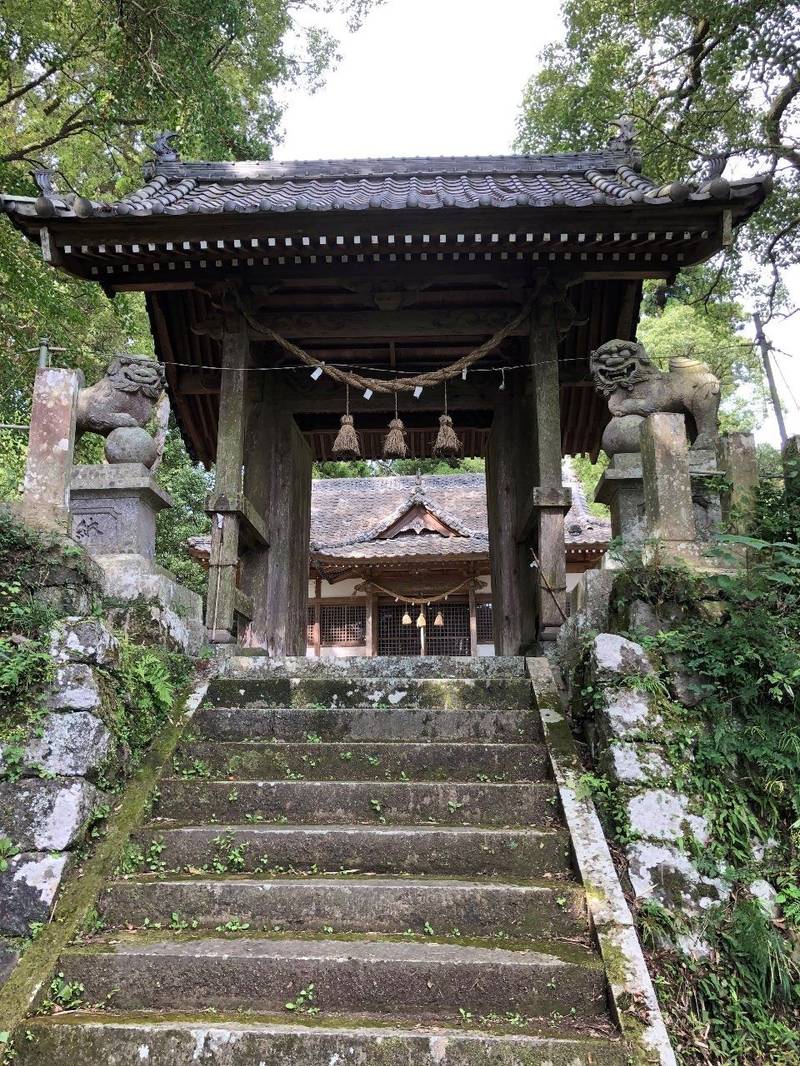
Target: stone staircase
(352, 862)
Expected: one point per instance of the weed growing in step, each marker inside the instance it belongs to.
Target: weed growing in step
(179, 924)
(234, 925)
(303, 1002)
(7, 851)
(230, 856)
(62, 996)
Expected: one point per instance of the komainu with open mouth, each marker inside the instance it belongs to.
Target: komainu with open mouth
(625, 373)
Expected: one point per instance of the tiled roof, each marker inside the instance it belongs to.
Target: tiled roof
(578, 180)
(348, 516)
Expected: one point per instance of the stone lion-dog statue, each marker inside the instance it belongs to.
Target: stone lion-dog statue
(635, 387)
(125, 396)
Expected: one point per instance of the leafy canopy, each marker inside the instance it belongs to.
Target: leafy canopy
(698, 79)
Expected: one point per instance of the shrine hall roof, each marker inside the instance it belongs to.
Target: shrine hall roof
(572, 179)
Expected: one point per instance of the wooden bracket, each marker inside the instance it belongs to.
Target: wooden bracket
(541, 499)
(252, 529)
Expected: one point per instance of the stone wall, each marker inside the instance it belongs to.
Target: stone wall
(52, 784)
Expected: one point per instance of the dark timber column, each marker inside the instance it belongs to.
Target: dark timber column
(277, 581)
(543, 523)
(224, 559)
(509, 480)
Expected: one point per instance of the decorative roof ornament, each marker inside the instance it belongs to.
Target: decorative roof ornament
(625, 139)
(714, 166)
(44, 180)
(164, 152)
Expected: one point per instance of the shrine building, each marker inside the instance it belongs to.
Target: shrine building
(283, 296)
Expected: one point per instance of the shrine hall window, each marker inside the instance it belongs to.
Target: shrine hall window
(310, 624)
(343, 625)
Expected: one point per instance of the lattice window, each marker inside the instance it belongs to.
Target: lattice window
(483, 616)
(343, 625)
(450, 639)
(453, 637)
(310, 624)
(393, 637)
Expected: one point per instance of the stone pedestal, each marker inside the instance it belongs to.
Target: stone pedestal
(669, 508)
(737, 457)
(51, 444)
(113, 509)
(621, 489)
(113, 516)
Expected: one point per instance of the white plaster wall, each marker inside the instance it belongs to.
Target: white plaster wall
(341, 588)
(337, 653)
(486, 649)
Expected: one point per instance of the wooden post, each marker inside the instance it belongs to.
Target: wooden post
(372, 623)
(224, 559)
(318, 616)
(549, 500)
(473, 623)
(279, 479)
(509, 478)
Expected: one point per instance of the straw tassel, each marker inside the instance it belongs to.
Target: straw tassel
(345, 447)
(447, 445)
(394, 446)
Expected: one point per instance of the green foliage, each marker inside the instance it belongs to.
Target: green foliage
(188, 484)
(7, 851)
(380, 468)
(589, 473)
(697, 80)
(744, 773)
(146, 682)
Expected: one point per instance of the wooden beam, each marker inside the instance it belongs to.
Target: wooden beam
(374, 325)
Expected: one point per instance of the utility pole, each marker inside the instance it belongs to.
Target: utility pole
(776, 401)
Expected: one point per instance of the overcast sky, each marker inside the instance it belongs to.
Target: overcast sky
(445, 77)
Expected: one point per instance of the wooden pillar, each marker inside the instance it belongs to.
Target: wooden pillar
(372, 623)
(473, 623)
(542, 525)
(277, 580)
(509, 479)
(318, 616)
(224, 559)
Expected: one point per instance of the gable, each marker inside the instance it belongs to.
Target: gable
(417, 521)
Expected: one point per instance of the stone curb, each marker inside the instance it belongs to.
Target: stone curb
(633, 996)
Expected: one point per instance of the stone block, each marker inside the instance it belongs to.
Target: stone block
(72, 744)
(114, 509)
(635, 764)
(666, 874)
(176, 611)
(45, 815)
(28, 890)
(76, 688)
(84, 640)
(658, 814)
(614, 658)
(627, 714)
(589, 611)
(766, 895)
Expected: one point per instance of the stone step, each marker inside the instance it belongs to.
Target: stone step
(367, 724)
(234, 661)
(363, 761)
(77, 1039)
(473, 909)
(340, 802)
(447, 694)
(402, 979)
(452, 851)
